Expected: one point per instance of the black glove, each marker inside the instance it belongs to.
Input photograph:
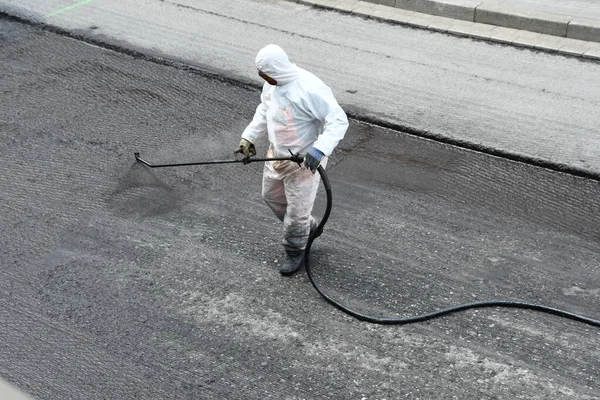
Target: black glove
(313, 158)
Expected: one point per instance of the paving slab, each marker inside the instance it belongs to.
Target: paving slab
(504, 35)
(540, 17)
(458, 9)
(421, 20)
(322, 3)
(348, 7)
(574, 47)
(593, 51)
(520, 18)
(527, 39)
(481, 31)
(461, 28)
(441, 24)
(576, 19)
(401, 16)
(384, 13)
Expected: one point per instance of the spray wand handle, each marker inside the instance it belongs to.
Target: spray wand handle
(297, 158)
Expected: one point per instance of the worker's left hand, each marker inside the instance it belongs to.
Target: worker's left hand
(313, 158)
(246, 148)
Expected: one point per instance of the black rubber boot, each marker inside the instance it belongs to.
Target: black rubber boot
(292, 263)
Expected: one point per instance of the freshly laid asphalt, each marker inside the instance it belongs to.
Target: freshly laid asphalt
(546, 113)
(122, 279)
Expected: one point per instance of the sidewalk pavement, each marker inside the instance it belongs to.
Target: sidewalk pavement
(570, 28)
(8, 392)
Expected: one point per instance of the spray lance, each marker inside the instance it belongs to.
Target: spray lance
(246, 160)
(362, 317)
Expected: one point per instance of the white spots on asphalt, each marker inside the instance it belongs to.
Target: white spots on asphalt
(577, 291)
(265, 323)
(358, 355)
(561, 341)
(502, 374)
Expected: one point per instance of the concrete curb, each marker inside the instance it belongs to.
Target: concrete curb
(572, 36)
(504, 15)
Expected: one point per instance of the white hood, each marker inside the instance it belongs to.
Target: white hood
(273, 61)
(297, 113)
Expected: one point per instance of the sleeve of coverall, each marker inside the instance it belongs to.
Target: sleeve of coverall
(326, 109)
(258, 126)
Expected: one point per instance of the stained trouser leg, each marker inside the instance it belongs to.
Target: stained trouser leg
(301, 188)
(273, 191)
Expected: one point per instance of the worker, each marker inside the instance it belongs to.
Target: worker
(299, 114)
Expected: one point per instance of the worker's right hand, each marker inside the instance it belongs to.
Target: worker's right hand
(246, 148)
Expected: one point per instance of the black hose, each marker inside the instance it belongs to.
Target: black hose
(428, 315)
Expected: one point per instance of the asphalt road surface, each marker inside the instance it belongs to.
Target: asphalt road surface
(528, 104)
(121, 282)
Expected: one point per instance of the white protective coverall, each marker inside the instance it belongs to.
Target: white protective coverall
(297, 113)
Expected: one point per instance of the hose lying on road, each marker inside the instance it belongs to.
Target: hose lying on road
(388, 321)
(428, 315)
